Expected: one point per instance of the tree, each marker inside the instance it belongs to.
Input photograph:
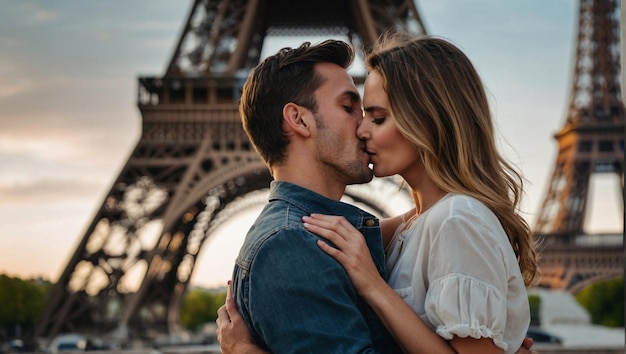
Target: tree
(200, 307)
(534, 302)
(22, 302)
(605, 302)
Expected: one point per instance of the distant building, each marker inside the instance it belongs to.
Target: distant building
(567, 324)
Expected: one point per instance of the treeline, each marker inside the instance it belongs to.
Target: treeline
(22, 301)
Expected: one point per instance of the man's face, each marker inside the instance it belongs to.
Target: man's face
(339, 151)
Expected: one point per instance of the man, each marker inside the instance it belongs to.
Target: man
(301, 109)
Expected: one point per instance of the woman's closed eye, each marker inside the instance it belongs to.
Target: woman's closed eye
(378, 121)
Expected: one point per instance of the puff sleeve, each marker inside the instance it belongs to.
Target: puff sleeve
(468, 276)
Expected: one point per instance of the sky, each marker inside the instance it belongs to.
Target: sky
(69, 120)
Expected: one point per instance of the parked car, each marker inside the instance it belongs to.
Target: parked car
(15, 346)
(69, 342)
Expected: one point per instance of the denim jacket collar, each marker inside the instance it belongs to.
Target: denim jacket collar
(317, 203)
(312, 202)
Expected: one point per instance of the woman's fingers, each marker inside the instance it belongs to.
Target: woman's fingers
(327, 222)
(332, 251)
(332, 228)
(347, 240)
(328, 234)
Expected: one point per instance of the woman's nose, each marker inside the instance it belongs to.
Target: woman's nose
(361, 130)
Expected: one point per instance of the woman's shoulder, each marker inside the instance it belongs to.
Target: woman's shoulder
(456, 206)
(455, 203)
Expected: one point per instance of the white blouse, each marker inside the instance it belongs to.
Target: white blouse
(456, 268)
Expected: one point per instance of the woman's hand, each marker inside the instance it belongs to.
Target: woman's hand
(233, 334)
(351, 252)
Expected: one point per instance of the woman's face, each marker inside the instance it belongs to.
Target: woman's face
(390, 153)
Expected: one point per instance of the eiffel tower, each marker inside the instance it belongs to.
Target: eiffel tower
(192, 161)
(591, 142)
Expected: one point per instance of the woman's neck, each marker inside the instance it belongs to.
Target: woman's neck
(425, 198)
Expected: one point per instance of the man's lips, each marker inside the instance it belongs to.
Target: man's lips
(370, 155)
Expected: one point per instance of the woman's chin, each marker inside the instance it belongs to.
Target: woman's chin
(378, 174)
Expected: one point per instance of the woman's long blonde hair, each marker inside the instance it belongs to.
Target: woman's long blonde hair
(439, 104)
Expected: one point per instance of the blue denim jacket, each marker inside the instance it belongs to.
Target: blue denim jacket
(294, 297)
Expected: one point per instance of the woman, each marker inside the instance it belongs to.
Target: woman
(463, 258)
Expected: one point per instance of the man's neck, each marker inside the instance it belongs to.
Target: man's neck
(311, 180)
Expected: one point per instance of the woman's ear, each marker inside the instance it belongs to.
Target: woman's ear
(295, 119)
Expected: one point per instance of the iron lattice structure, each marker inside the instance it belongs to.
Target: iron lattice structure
(591, 142)
(193, 160)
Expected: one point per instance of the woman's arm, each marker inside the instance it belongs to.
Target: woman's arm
(403, 323)
(398, 317)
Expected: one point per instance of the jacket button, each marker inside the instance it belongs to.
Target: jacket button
(369, 222)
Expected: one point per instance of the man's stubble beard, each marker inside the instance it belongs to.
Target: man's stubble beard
(354, 171)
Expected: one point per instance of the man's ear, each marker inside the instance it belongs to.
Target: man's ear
(295, 118)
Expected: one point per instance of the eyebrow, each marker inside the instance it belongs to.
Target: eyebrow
(354, 96)
(370, 109)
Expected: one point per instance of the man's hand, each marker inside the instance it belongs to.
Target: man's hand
(526, 347)
(233, 334)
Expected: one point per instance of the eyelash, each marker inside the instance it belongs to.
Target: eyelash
(348, 109)
(378, 121)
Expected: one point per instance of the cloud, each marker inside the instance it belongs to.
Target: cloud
(13, 88)
(49, 191)
(45, 16)
(29, 13)
(44, 169)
